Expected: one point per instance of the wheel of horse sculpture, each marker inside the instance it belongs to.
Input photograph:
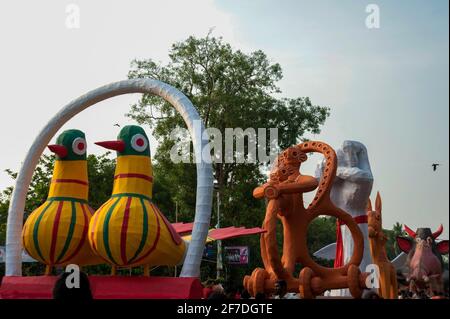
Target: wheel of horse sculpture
(284, 192)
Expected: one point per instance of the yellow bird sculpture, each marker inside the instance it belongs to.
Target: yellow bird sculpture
(129, 229)
(56, 232)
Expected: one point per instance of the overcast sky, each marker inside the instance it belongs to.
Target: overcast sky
(387, 87)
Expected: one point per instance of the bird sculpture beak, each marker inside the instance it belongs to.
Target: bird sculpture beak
(59, 150)
(118, 146)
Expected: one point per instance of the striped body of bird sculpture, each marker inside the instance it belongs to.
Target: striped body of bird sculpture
(56, 232)
(129, 229)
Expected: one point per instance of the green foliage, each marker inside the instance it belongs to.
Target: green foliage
(101, 175)
(392, 248)
(4, 204)
(390, 244)
(230, 89)
(397, 230)
(321, 232)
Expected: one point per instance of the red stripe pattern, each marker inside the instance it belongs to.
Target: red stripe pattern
(123, 232)
(67, 180)
(92, 241)
(361, 219)
(158, 230)
(134, 175)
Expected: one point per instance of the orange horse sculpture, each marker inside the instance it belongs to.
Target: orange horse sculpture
(284, 192)
(377, 239)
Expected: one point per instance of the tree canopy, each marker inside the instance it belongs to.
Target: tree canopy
(230, 89)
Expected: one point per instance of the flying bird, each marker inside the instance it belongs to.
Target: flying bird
(117, 125)
(435, 165)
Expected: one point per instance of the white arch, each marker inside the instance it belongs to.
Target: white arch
(191, 266)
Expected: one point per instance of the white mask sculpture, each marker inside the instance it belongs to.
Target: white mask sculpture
(350, 192)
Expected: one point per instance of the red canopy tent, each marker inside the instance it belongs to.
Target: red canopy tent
(232, 232)
(183, 228)
(219, 233)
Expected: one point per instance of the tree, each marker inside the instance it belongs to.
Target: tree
(392, 248)
(397, 230)
(230, 89)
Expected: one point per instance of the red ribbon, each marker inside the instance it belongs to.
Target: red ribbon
(339, 260)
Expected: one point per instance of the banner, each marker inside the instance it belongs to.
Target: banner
(237, 255)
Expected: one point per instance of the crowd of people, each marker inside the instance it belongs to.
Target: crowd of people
(422, 294)
(215, 290)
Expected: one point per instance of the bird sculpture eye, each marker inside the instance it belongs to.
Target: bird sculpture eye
(139, 142)
(79, 146)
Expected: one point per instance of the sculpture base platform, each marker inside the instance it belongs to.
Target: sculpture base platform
(106, 287)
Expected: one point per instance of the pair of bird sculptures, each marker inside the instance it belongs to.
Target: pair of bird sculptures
(128, 230)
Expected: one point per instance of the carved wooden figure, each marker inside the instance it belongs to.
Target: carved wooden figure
(284, 191)
(377, 239)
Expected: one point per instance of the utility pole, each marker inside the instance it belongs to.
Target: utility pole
(176, 221)
(219, 242)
